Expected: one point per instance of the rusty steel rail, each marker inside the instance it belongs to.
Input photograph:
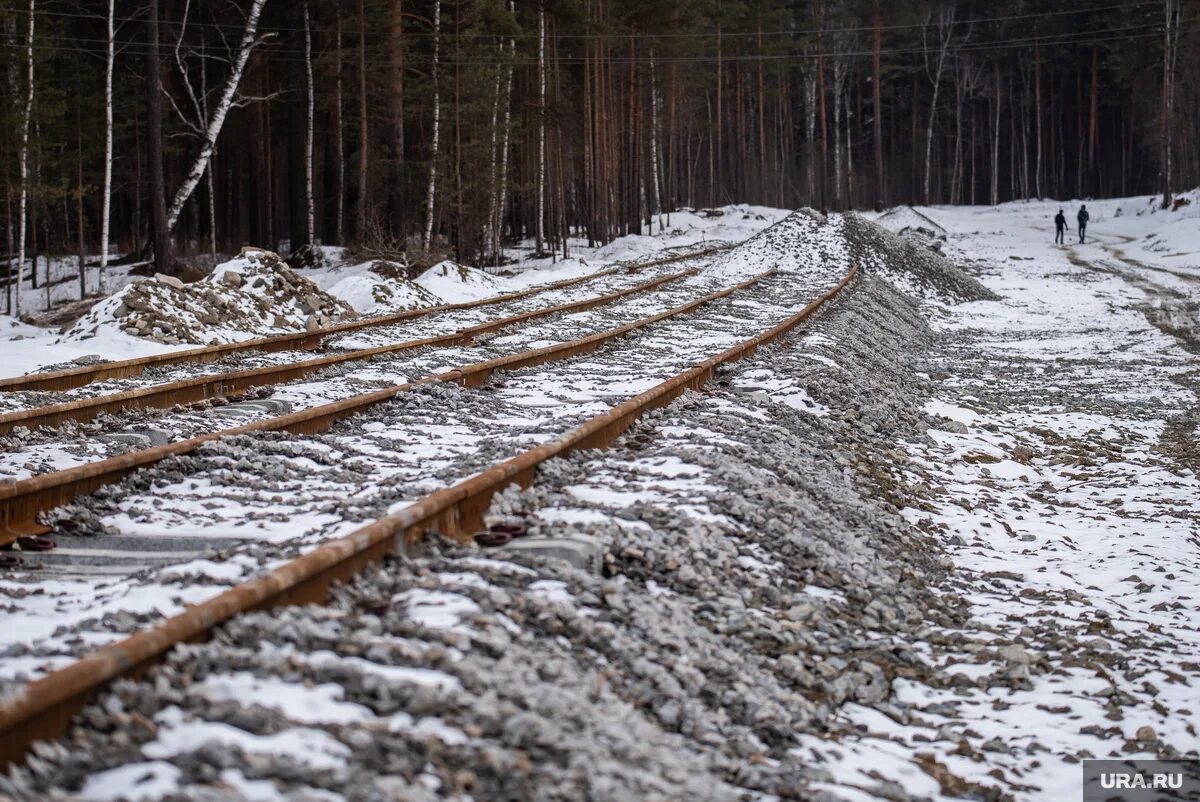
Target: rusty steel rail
(44, 708)
(211, 385)
(70, 378)
(22, 501)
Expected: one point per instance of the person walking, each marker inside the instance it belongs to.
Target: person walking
(1060, 228)
(1083, 218)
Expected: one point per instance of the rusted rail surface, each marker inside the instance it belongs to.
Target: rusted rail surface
(198, 388)
(70, 378)
(44, 708)
(22, 501)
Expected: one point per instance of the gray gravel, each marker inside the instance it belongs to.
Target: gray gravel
(687, 669)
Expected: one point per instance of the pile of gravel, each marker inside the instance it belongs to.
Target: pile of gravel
(810, 243)
(253, 295)
(910, 265)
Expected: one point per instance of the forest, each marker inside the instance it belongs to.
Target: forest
(172, 131)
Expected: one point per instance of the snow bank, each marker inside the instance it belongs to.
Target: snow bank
(253, 295)
(455, 283)
(380, 287)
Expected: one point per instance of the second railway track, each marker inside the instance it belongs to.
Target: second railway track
(22, 501)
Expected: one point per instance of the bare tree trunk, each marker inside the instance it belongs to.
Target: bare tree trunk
(502, 193)
(1165, 112)
(956, 177)
(430, 196)
(309, 204)
(879, 184)
(220, 111)
(945, 35)
(106, 197)
(1037, 111)
(996, 140)
(494, 156)
(821, 104)
(208, 174)
(23, 202)
(657, 210)
(339, 145)
(79, 192)
(839, 80)
(363, 201)
(540, 232)
(396, 97)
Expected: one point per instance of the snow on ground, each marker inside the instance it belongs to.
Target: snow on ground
(455, 283)
(380, 287)
(30, 348)
(1063, 486)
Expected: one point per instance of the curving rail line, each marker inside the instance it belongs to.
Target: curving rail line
(44, 709)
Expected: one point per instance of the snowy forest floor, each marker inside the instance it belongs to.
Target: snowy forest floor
(1067, 500)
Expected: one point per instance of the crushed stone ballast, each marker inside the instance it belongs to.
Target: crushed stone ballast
(44, 708)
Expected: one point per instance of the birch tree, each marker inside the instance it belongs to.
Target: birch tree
(106, 196)
(431, 191)
(502, 192)
(309, 206)
(541, 157)
(23, 160)
(657, 209)
(934, 69)
(211, 127)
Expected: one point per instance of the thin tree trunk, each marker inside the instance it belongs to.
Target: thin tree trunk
(430, 195)
(996, 140)
(106, 196)
(79, 192)
(220, 111)
(1037, 111)
(339, 144)
(657, 200)
(363, 129)
(396, 97)
(208, 174)
(821, 104)
(309, 204)
(502, 194)
(540, 232)
(23, 202)
(879, 183)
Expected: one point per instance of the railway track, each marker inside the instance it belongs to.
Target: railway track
(22, 501)
(70, 378)
(44, 708)
(220, 385)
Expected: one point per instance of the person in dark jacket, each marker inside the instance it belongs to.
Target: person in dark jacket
(1083, 218)
(1060, 227)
